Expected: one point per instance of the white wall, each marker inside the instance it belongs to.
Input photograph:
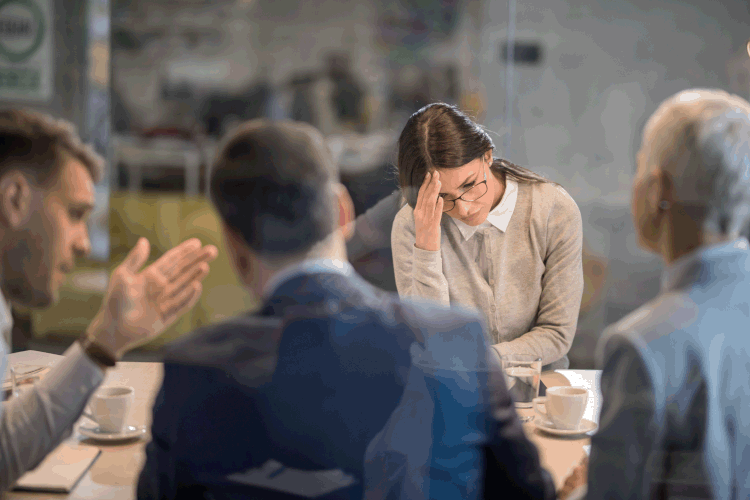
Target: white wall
(608, 63)
(577, 118)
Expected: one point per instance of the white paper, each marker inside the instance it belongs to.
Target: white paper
(275, 476)
(60, 470)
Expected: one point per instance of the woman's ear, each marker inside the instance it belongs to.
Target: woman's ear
(345, 211)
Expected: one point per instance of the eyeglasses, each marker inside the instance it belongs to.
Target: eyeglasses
(472, 194)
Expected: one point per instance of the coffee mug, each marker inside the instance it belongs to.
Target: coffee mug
(564, 406)
(109, 407)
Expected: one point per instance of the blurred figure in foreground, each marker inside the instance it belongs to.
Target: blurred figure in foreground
(46, 193)
(335, 389)
(676, 382)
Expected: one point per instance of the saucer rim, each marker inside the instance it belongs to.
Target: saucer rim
(567, 432)
(89, 432)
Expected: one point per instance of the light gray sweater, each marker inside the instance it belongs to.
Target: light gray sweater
(533, 295)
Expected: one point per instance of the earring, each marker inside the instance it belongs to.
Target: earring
(664, 205)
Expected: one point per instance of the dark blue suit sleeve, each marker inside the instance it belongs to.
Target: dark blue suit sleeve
(513, 468)
(158, 476)
(195, 432)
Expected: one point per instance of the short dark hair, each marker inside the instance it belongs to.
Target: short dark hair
(272, 183)
(37, 143)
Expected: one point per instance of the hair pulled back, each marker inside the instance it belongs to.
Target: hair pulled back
(440, 136)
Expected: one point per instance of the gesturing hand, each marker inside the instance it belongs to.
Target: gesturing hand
(139, 306)
(428, 212)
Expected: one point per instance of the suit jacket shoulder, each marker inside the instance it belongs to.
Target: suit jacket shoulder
(217, 344)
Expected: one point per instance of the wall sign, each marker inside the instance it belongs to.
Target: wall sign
(26, 33)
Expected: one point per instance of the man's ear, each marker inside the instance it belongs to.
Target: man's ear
(652, 193)
(15, 199)
(666, 187)
(239, 253)
(345, 211)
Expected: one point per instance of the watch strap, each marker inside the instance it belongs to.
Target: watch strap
(97, 352)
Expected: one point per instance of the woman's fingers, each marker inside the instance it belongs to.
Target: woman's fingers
(422, 189)
(433, 193)
(428, 212)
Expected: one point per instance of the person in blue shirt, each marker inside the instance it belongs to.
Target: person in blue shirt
(675, 418)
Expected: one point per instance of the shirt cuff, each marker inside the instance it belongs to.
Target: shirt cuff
(74, 378)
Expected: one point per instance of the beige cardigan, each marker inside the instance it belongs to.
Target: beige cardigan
(533, 296)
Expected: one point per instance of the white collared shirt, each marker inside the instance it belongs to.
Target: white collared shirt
(35, 422)
(498, 216)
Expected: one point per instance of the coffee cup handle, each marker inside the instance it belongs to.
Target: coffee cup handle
(88, 415)
(543, 414)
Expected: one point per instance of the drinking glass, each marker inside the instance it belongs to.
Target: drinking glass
(13, 383)
(23, 374)
(522, 374)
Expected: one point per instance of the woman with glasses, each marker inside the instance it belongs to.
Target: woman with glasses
(488, 234)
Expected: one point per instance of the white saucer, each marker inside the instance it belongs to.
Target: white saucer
(584, 427)
(130, 432)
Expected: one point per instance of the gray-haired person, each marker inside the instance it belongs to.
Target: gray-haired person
(675, 418)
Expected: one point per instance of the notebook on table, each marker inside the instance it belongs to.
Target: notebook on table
(274, 476)
(61, 470)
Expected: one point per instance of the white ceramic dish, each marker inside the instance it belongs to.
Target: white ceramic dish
(130, 432)
(584, 427)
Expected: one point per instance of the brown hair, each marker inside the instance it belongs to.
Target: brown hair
(36, 143)
(440, 136)
(272, 183)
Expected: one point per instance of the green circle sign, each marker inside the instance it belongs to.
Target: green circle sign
(38, 17)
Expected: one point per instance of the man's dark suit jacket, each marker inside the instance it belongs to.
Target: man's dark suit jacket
(309, 382)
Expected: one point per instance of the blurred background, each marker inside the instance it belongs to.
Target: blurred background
(564, 87)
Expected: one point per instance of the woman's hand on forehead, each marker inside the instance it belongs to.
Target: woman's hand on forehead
(428, 212)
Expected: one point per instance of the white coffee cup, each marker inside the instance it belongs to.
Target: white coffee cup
(109, 407)
(564, 406)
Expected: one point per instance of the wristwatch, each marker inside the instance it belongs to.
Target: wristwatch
(96, 352)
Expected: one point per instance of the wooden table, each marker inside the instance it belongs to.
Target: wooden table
(560, 455)
(115, 473)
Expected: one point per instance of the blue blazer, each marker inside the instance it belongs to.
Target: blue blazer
(675, 419)
(315, 377)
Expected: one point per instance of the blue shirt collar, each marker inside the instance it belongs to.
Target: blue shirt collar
(677, 270)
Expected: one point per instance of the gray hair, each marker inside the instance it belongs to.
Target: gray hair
(702, 138)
